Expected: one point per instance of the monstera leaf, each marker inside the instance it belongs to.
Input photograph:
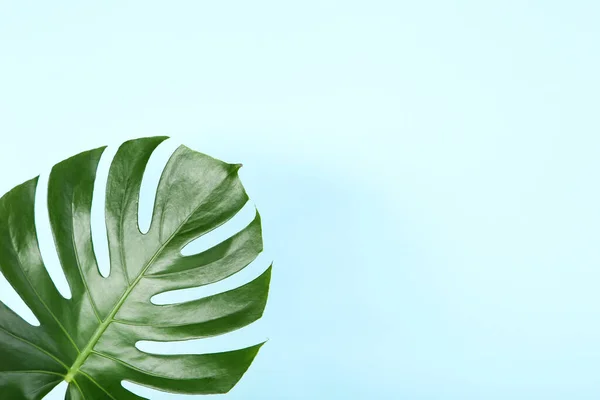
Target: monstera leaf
(89, 340)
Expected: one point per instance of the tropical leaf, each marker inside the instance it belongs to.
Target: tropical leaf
(89, 340)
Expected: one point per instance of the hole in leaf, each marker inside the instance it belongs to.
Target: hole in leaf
(58, 392)
(10, 298)
(156, 164)
(151, 393)
(241, 338)
(223, 232)
(253, 270)
(98, 221)
(46, 238)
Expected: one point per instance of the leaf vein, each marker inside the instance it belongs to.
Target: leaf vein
(35, 346)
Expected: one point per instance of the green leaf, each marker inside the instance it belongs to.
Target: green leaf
(89, 340)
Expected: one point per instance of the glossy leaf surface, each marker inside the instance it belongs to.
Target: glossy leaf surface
(89, 340)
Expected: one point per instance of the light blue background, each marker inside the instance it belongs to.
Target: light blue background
(427, 173)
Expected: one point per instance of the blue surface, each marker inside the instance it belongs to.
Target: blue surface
(427, 173)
